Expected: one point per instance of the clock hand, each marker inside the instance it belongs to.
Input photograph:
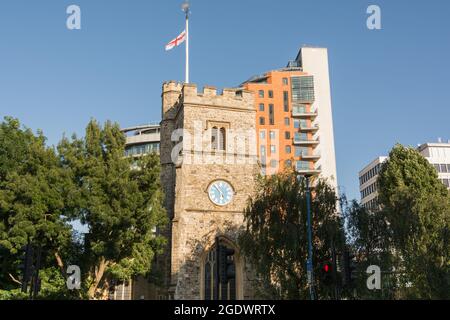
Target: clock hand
(221, 193)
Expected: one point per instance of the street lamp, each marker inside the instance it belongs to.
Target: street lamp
(309, 263)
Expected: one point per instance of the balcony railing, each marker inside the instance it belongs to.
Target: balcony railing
(310, 128)
(307, 170)
(314, 156)
(304, 140)
(301, 112)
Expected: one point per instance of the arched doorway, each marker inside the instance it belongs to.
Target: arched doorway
(221, 281)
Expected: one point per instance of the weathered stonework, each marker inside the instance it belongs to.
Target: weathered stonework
(195, 220)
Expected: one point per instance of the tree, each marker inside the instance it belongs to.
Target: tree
(369, 237)
(32, 188)
(275, 237)
(417, 207)
(120, 201)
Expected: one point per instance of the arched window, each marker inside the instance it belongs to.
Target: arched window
(214, 138)
(212, 284)
(223, 139)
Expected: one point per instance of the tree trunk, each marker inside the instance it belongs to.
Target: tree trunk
(99, 272)
(60, 264)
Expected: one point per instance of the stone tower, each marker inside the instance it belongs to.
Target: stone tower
(209, 165)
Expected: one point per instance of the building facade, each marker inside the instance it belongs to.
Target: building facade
(437, 154)
(207, 182)
(142, 139)
(294, 116)
(368, 185)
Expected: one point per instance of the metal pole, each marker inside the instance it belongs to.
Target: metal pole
(216, 275)
(309, 268)
(187, 43)
(335, 277)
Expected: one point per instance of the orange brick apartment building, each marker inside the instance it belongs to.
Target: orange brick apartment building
(294, 116)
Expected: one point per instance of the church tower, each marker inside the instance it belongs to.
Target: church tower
(209, 165)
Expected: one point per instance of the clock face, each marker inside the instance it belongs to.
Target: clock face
(220, 193)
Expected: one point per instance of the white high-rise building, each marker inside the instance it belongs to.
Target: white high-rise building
(438, 154)
(314, 61)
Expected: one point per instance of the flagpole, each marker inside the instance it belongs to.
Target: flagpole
(186, 10)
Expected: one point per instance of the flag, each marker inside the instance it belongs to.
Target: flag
(177, 41)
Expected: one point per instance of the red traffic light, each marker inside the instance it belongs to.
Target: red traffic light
(327, 268)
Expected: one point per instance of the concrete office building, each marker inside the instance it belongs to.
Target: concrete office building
(438, 154)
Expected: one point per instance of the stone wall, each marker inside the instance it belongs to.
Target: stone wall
(196, 221)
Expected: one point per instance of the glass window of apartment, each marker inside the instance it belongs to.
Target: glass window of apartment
(444, 168)
(270, 94)
(301, 136)
(271, 115)
(262, 134)
(273, 149)
(287, 135)
(302, 165)
(286, 101)
(303, 123)
(288, 149)
(302, 89)
(437, 167)
(262, 121)
(448, 167)
(297, 124)
(287, 121)
(273, 164)
(285, 81)
(261, 93)
(301, 151)
(272, 135)
(261, 107)
(447, 183)
(288, 164)
(301, 108)
(263, 151)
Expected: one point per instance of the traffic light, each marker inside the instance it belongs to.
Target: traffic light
(327, 273)
(226, 265)
(26, 266)
(349, 266)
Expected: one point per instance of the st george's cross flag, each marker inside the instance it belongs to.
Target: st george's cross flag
(177, 41)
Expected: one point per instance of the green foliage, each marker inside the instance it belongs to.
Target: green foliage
(15, 294)
(275, 240)
(370, 237)
(418, 211)
(409, 236)
(31, 197)
(118, 199)
(90, 180)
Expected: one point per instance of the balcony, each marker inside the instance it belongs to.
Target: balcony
(304, 140)
(303, 170)
(312, 156)
(300, 112)
(307, 128)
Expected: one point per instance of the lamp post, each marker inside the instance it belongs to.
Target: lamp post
(309, 263)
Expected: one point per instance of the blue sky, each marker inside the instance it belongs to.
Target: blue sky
(388, 86)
